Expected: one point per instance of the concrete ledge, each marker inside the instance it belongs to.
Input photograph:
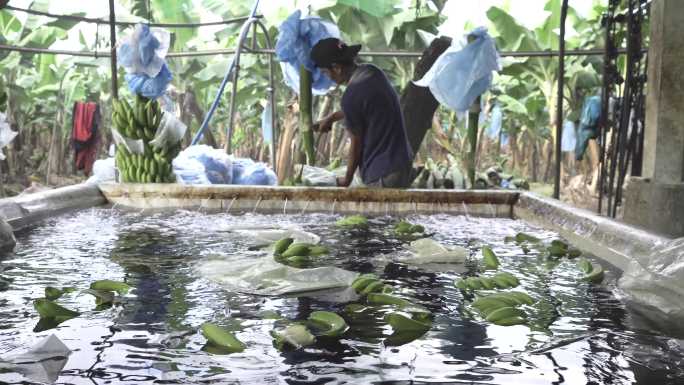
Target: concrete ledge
(310, 199)
(615, 242)
(26, 210)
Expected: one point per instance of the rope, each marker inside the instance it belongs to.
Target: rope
(127, 23)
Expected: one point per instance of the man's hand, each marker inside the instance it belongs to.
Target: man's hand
(343, 181)
(324, 125)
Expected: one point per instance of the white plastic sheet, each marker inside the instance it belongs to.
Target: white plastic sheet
(170, 131)
(42, 363)
(265, 276)
(426, 250)
(134, 146)
(316, 176)
(264, 236)
(104, 170)
(657, 280)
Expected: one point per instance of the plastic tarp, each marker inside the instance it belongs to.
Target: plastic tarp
(6, 134)
(296, 38)
(460, 75)
(142, 54)
(426, 250)
(249, 172)
(42, 363)
(265, 276)
(569, 138)
(658, 281)
(203, 164)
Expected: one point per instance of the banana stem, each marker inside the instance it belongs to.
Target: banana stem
(305, 114)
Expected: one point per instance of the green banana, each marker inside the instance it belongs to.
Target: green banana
(474, 283)
(585, 265)
(490, 260)
(401, 323)
(109, 285)
(510, 321)
(385, 299)
(223, 338)
(596, 275)
(281, 245)
(49, 309)
(372, 287)
(296, 249)
(461, 284)
(522, 298)
(505, 312)
(487, 283)
(332, 324)
(487, 304)
(362, 281)
(504, 280)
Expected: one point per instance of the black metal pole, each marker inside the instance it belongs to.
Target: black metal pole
(112, 41)
(559, 105)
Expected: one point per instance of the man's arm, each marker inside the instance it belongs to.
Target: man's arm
(325, 124)
(353, 161)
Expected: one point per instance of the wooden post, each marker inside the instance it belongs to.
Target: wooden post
(473, 120)
(559, 102)
(112, 39)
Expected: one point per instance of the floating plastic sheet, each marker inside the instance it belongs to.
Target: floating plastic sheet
(428, 251)
(658, 281)
(265, 276)
(264, 236)
(42, 363)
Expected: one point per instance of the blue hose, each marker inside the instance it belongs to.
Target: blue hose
(211, 111)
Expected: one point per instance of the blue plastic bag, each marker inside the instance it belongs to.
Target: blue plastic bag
(148, 87)
(495, 123)
(248, 172)
(202, 164)
(569, 138)
(296, 38)
(142, 54)
(459, 76)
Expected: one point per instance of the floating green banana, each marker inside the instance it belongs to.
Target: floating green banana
(490, 260)
(296, 336)
(297, 249)
(331, 324)
(504, 313)
(595, 275)
(109, 285)
(280, 246)
(49, 309)
(386, 299)
(53, 293)
(401, 323)
(353, 221)
(223, 338)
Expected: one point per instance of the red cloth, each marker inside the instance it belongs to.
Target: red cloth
(84, 134)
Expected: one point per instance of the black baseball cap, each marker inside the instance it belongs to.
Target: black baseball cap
(333, 50)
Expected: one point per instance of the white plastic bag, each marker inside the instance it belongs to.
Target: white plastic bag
(460, 75)
(316, 176)
(104, 170)
(170, 131)
(6, 134)
(266, 235)
(132, 145)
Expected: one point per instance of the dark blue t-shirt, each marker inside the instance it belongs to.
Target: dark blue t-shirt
(371, 110)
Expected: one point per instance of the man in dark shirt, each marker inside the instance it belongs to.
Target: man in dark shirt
(372, 116)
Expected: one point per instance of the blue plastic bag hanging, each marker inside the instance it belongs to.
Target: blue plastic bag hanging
(459, 76)
(142, 54)
(296, 38)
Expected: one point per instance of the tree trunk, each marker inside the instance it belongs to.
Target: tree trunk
(417, 103)
(284, 163)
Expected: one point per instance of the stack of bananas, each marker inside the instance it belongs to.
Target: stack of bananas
(140, 122)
